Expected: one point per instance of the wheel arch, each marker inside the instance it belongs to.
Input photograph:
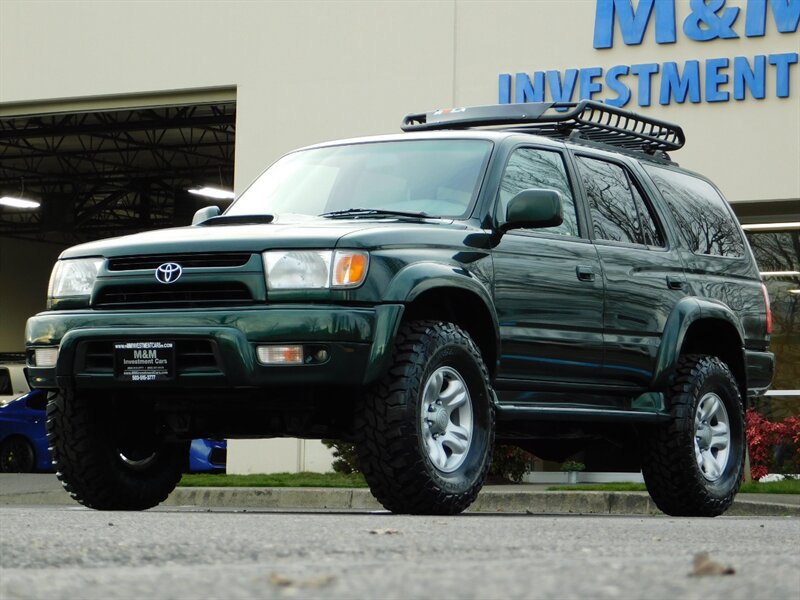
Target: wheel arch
(698, 326)
(463, 308)
(450, 293)
(17, 435)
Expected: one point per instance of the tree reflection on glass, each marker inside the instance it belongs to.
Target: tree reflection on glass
(614, 213)
(700, 211)
(530, 168)
(779, 252)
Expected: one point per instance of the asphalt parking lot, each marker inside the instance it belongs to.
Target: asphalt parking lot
(68, 552)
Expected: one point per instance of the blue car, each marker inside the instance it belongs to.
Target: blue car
(23, 435)
(208, 456)
(23, 440)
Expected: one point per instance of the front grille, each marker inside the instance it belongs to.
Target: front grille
(191, 356)
(191, 295)
(187, 261)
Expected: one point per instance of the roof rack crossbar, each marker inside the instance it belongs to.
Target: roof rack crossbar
(588, 119)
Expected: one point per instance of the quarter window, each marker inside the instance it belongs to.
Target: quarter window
(703, 216)
(532, 168)
(619, 212)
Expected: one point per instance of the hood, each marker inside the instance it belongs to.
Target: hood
(297, 232)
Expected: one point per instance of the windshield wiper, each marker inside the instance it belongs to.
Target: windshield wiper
(239, 220)
(372, 212)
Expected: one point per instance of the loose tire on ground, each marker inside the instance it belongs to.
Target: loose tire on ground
(693, 464)
(17, 455)
(425, 432)
(93, 464)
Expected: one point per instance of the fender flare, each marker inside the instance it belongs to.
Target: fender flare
(415, 279)
(686, 312)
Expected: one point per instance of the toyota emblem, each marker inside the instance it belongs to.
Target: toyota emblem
(168, 273)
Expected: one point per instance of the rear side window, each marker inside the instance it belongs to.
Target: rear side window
(619, 213)
(702, 214)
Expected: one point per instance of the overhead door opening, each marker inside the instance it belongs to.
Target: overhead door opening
(105, 173)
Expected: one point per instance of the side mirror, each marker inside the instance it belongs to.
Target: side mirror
(532, 209)
(204, 214)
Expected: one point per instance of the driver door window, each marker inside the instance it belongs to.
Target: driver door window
(533, 168)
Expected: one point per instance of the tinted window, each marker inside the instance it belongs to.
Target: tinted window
(652, 236)
(619, 212)
(531, 168)
(701, 213)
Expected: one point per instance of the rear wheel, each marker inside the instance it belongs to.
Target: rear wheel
(426, 430)
(17, 456)
(693, 465)
(111, 456)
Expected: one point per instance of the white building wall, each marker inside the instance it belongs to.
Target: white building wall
(304, 72)
(283, 455)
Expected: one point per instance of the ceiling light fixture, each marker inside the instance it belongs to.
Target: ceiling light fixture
(211, 192)
(18, 202)
(767, 226)
(780, 273)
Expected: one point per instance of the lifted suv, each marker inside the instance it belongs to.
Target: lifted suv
(559, 284)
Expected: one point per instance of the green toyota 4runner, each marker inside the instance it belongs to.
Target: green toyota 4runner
(539, 274)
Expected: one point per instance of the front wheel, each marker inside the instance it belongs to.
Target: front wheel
(110, 455)
(693, 465)
(425, 432)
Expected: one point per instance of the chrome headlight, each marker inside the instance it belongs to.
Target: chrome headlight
(73, 277)
(314, 269)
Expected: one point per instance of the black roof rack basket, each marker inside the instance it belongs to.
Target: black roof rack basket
(587, 119)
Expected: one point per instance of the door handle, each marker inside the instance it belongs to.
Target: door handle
(585, 273)
(675, 283)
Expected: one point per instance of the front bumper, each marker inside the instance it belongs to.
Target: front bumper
(217, 347)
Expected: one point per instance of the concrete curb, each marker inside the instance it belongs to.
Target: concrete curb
(53, 498)
(275, 498)
(590, 503)
(488, 501)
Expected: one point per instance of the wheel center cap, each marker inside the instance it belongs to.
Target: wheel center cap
(704, 436)
(439, 421)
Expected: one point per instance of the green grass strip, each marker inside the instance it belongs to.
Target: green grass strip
(787, 486)
(328, 480)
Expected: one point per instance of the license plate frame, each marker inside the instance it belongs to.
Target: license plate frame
(144, 361)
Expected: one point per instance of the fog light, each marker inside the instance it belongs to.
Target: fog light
(46, 357)
(280, 355)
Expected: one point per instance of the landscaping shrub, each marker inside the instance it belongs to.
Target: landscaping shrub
(510, 463)
(345, 459)
(774, 447)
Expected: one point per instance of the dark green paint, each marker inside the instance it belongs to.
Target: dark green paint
(581, 329)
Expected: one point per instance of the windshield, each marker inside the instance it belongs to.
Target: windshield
(439, 178)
